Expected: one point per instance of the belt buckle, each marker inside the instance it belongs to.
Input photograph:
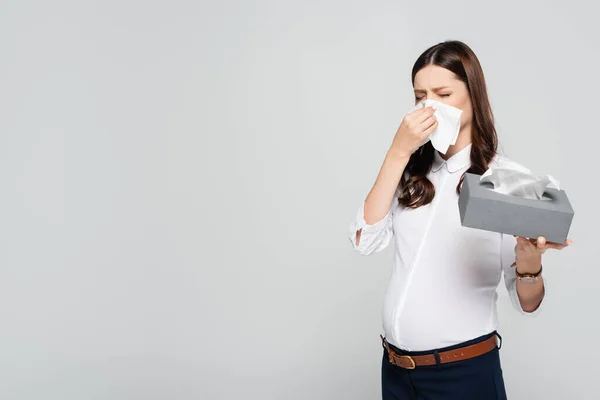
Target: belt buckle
(413, 365)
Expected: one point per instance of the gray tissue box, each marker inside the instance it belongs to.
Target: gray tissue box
(485, 209)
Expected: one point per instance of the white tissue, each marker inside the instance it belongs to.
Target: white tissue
(519, 183)
(448, 118)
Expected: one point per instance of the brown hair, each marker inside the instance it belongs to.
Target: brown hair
(457, 57)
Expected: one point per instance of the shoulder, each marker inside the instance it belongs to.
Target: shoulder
(501, 161)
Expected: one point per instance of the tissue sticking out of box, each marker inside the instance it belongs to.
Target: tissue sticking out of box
(519, 183)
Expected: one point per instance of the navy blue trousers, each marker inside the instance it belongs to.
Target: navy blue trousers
(478, 378)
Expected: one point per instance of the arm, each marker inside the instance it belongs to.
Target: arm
(526, 298)
(372, 229)
(379, 200)
(530, 294)
(529, 260)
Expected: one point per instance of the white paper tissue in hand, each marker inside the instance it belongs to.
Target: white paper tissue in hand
(519, 183)
(448, 118)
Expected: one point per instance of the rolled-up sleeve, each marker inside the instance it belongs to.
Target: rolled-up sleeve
(507, 258)
(374, 237)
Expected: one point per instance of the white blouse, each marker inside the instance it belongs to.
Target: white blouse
(443, 285)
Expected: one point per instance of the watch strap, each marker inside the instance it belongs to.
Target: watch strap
(527, 277)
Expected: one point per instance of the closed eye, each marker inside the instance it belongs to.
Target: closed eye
(442, 95)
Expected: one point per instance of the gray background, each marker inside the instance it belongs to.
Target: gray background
(178, 178)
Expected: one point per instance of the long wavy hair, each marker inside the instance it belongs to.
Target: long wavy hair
(416, 189)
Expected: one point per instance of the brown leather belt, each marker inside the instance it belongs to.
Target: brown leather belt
(463, 353)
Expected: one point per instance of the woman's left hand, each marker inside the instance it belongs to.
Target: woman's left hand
(529, 251)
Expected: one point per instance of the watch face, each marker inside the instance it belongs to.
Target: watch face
(528, 280)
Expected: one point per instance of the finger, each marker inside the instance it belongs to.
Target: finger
(566, 243)
(428, 122)
(428, 131)
(541, 243)
(525, 243)
(557, 246)
(413, 115)
(426, 113)
(530, 246)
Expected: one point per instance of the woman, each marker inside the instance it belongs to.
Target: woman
(439, 313)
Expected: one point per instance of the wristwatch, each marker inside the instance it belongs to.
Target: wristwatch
(527, 277)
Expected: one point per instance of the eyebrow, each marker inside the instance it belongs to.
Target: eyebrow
(434, 89)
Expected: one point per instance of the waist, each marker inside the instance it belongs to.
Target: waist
(461, 351)
(476, 340)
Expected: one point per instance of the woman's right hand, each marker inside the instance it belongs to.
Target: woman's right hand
(414, 129)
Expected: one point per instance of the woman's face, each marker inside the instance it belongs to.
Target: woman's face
(437, 83)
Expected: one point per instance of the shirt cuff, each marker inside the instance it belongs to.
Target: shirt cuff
(514, 296)
(373, 237)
